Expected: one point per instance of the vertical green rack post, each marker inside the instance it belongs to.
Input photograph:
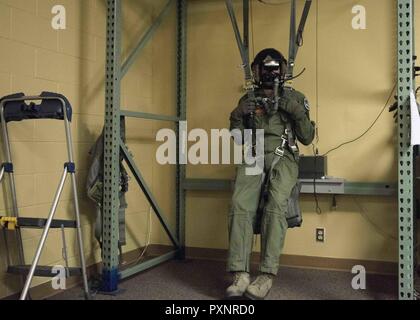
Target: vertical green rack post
(111, 148)
(405, 150)
(182, 114)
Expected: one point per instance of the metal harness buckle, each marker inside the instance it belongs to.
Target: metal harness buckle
(292, 144)
(283, 141)
(295, 149)
(279, 152)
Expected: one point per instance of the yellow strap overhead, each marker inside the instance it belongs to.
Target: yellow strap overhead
(9, 223)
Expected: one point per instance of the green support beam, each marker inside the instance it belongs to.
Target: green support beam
(147, 264)
(348, 188)
(147, 193)
(370, 189)
(145, 39)
(148, 116)
(182, 115)
(110, 236)
(405, 150)
(208, 185)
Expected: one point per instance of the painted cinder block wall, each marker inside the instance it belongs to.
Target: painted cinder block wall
(35, 58)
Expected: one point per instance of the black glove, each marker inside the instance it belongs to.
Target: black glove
(296, 110)
(244, 109)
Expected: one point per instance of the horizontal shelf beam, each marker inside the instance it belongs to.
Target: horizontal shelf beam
(147, 264)
(207, 184)
(323, 186)
(380, 189)
(148, 116)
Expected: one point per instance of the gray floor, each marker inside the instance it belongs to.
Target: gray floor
(206, 280)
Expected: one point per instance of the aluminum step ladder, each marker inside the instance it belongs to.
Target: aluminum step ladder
(19, 107)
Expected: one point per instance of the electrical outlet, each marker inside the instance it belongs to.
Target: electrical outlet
(320, 235)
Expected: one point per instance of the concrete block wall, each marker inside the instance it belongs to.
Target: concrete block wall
(33, 58)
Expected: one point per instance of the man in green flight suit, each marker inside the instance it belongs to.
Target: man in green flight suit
(284, 117)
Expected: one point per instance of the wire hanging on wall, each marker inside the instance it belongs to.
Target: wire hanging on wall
(315, 149)
(368, 129)
(373, 224)
(317, 207)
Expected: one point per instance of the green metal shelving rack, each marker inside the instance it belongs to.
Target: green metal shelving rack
(113, 146)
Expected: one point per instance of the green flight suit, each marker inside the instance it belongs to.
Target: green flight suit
(243, 214)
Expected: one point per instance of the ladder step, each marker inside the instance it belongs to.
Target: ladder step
(41, 271)
(39, 223)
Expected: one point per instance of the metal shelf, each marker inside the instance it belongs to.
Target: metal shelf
(334, 186)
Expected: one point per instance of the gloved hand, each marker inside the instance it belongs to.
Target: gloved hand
(244, 109)
(296, 110)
